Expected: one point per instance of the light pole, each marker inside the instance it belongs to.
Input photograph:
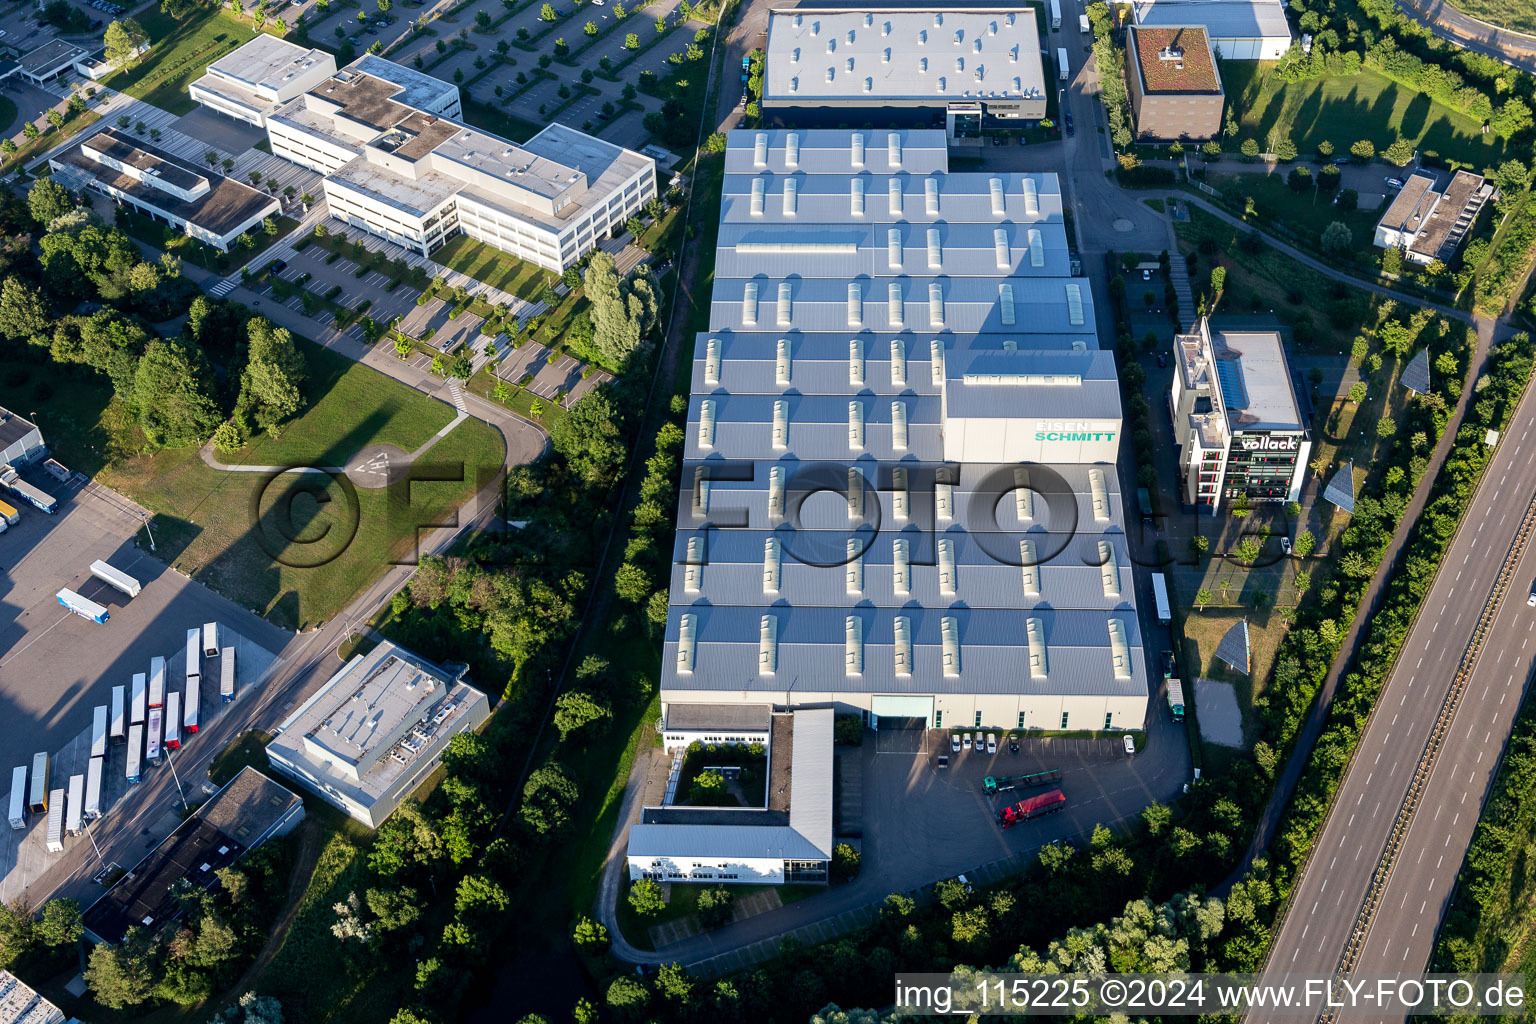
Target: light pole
(183, 793)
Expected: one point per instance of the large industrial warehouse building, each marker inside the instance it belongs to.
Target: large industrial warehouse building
(899, 495)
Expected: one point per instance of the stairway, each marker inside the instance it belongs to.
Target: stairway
(1178, 275)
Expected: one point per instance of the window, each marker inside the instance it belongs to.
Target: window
(1063, 719)
(938, 719)
(1109, 719)
(978, 719)
(1021, 719)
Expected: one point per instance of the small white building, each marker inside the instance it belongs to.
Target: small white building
(1428, 224)
(1237, 29)
(254, 80)
(398, 165)
(20, 440)
(48, 61)
(206, 206)
(684, 724)
(375, 731)
(788, 840)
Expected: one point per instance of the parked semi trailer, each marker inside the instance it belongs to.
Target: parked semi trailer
(37, 801)
(136, 704)
(173, 721)
(156, 682)
(55, 839)
(152, 735)
(227, 675)
(19, 796)
(99, 731)
(36, 497)
(994, 784)
(8, 514)
(194, 652)
(119, 728)
(189, 704)
(83, 607)
(115, 578)
(74, 811)
(1034, 807)
(211, 639)
(135, 752)
(1176, 699)
(93, 788)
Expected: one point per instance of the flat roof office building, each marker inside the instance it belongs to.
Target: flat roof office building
(899, 493)
(204, 205)
(375, 730)
(904, 67)
(1427, 224)
(1236, 421)
(1172, 83)
(399, 166)
(257, 78)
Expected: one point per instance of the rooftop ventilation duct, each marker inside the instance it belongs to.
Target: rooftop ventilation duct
(687, 635)
(901, 504)
(856, 361)
(1109, 569)
(791, 197)
(749, 304)
(853, 567)
(712, 361)
(853, 645)
(901, 653)
(944, 500)
(760, 148)
(1000, 248)
(855, 494)
(857, 144)
(700, 492)
(1100, 494)
(898, 362)
(936, 358)
(949, 631)
(935, 304)
(1030, 561)
(784, 304)
(781, 423)
(893, 303)
(773, 564)
(1036, 247)
(693, 568)
(855, 304)
(856, 196)
(856, 425)
(1005, 304)
(1075, 305)
(1034, 630)
(899, 425)
(1031, 197)
(901, 568)
(707, 423)
(781, 368)
(768, 645)
(1119, 649)
(776, 476)
(759, 195)
(935, 249)
(947, 573)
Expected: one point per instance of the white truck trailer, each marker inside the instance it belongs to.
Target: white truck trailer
(156, 682)
(119, 727)
(194, 652)
(55, 840)
(189, 704)
(37, 800)
(1083, 24)
(83, 607)
(99, 731)
(1055, 14)
(36, 497)
(152, 735)
(135, 752)
(1160, 594)
(1063, 68)
(115, 578)
(136, 704)
(173, 721)
(93, 788)
(8, 514)
(211, 639)
(19, 796)
(74, 816)
(227, 675)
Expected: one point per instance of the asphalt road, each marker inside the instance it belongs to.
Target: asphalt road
(1334, 885)
(1447, 22)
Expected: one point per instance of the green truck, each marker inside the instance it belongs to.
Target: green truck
(1001, 784)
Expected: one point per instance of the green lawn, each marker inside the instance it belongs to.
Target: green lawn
(1345, 110)
(249, 749)
(49, 138)
(179, 53)
(1307, 213)
(162, 236)
(493, 267)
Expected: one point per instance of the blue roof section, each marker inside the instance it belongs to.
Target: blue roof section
(1230, 376)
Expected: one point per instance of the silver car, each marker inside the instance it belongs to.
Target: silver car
(991, 742)
(966, 742)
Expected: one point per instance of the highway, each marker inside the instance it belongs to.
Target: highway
(1334, 886)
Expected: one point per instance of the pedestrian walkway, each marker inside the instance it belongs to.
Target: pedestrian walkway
(1178, 276)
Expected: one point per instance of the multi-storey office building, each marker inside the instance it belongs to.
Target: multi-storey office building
(399, 166)
(254, 80)
(899, 494)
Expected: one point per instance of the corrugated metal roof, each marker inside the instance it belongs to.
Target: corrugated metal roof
(810, 778)
(693, 717)
(961, 199)
(830, 151)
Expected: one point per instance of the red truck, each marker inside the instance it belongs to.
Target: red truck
(1034, 807)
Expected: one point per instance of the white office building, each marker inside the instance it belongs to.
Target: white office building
(260, 76)
(207, 206)
(375, 731)
(398, 165)
(955, 66)
(899, 495)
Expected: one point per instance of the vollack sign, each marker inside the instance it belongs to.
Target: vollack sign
(1271, 443)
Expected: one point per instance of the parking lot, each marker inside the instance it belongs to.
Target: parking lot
(324, 276)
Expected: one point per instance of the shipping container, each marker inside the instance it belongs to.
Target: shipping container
(152, 736)
(93, 788)
(74, 818)
(37, 802)
(135, 751)
(156, 682)
(172, 720)
(227, 675)
(189, 704)
(36, 497)
(119, 728)
(19, 796)
(211, 639)
(136, 704)
(115, 578)
(83, 607)
(194, 651)
(55, 839)
(9, 514)
(99, 732)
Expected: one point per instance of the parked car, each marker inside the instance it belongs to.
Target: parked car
(1394, 182)
(1146, 275)
(1130, 746)
(1013, 743)
(954, 742)
(1342, 161)
(966, 741)
(991, 743)
(1531, 601)
(1070, 130)
(1162, 359)
(1285, 544)
(1023, 141)
(277, 266)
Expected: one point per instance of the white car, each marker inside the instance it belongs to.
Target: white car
(991, 742)
(1130, 745)
(1531, 601)
(954, 742)
(966, 742)
(1285, 544)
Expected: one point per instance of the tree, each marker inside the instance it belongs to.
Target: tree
(272, 386)
(548, 796)
(479, 897)
(632, 583)
(1156, 817)
(57, 120)
(1337, 237)
(173, 389)
(1511, 118)
(547, 13)
(1285, 149)
(1303, 544)
(657, 607)
(708, 790)
(121, 976)
(845, 859)
(23, 314)
(29, 130)
(1364, 149)
(589, 437)
(714, 903)
(645, 897)
(1202, 598)
(1399, 152)
(715, 143)
(590, 936)
(60, 924)
(47, 199)
(1249, 148)
(631, 41)
(123, 40)
(577, 708)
